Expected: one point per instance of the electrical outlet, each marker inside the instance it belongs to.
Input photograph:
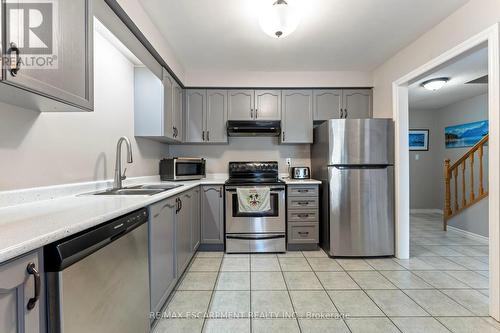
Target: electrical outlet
(288, 162)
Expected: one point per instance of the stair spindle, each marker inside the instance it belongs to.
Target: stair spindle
(481, 187)
(464, 200)
(455, 175)
(472, 195)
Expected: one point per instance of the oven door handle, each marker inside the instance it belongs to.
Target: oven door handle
(271, 189)
(255, 237)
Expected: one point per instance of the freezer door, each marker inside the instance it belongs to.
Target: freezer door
(361, 211)
(361, 141)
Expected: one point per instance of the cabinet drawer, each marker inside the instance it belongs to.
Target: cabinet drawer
(302, 202)
(303, 191)
(303, 233)
(305, 215)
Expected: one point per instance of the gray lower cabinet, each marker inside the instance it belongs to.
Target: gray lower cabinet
(195, 220)
(302, 216)
(357, 103)
(18, 310)
(206, 116)
(157, 106)
(212, 214)
(297, 116)
(162, 270)
(54, 66)
(183, 233)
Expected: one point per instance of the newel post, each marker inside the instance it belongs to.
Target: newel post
(447, 199)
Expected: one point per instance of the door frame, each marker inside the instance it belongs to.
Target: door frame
(489, 37)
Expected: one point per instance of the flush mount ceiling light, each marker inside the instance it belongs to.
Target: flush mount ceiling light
(435, 84)
(280, 18)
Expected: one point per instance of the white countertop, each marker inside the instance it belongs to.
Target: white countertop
(29, 226)
(290, 181)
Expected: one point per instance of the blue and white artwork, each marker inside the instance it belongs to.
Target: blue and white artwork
(419, 140)
(465, 135)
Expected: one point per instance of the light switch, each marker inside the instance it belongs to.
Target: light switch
(417, 157)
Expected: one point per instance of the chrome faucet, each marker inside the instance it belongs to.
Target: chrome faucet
(117, 184)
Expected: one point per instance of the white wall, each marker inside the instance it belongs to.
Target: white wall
(470, 19)
(279, 79)
(136, 12)
(40, 149)
(245, 149)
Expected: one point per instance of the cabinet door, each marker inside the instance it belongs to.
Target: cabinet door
(17, 286)
(195, 114)
(177, 112)
(327, 104)
(183, 234)
(268, 104)
(195, 220)
(216, 116)
(212, 215)
(357, 103)
(297, 116)
(162, 251)
(241, 105)
(168, 105)
(57, 55)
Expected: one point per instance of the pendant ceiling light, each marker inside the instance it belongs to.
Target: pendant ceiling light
(435, 84)
(279, 18)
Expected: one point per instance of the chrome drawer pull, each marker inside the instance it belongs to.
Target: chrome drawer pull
(303, 233)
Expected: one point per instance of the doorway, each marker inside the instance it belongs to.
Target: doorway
(489, 38)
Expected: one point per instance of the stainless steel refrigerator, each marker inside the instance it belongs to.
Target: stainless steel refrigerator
(354, 159)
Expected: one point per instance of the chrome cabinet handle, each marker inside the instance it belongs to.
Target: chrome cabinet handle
(302, 215)
(256, 113)
(220, 192)
(203, 136)
(303, 233)
(283, 135)
(341, 113)
(346, 114)
(251, 113)
(208, 135)
(303, 203)
(15, 66)
(31, 269)
(302, 191)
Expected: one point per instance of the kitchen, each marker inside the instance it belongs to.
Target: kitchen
(82, 232)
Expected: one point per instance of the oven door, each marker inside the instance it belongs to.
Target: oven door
(189, 168)
(272, 221)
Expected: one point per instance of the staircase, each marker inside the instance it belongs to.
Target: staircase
(466, 182)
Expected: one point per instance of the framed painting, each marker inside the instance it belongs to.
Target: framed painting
(419, 140)
(465, 135)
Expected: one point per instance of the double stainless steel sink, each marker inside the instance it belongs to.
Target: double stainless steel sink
(151, 189)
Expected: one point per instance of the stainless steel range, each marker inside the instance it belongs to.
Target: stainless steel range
(249, 232)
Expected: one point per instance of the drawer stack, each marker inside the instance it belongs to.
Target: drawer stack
(303, 216)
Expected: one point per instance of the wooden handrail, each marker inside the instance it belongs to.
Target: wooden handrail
(451, 175)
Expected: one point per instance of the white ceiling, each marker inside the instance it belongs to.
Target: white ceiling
(334, 35)
(460, 71)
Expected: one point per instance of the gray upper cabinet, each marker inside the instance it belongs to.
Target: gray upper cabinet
(64, 80)
(297, 116)
(267, 105)
(196, 102)
(327, 104)
(177, 103)
(17, 289)
(157, 106)
(162, 251)
(206, 116)
(241, 104)
(216, 116)
(357, 103)
(212, 214)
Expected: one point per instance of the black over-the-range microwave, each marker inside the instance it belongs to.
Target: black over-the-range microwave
(182, 168)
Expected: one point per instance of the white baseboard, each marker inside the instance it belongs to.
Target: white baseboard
(468, 234)
(428, 211)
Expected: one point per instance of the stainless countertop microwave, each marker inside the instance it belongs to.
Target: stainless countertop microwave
(182, 168)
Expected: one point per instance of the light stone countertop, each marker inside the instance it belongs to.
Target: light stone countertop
(311, 181)
(28, 226)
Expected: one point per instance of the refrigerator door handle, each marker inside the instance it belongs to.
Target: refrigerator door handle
(371, 166)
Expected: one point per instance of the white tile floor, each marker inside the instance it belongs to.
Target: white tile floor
(442, 288)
